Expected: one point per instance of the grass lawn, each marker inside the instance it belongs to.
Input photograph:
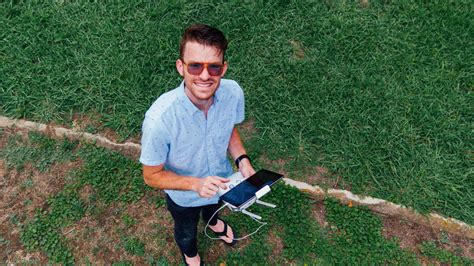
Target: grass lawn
(379, 93)
(67, 202)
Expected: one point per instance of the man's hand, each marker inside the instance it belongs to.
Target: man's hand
(246, 168)
(209, 186)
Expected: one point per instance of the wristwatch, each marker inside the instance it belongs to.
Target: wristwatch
(240, 158)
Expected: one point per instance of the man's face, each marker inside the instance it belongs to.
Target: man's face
(201, 86)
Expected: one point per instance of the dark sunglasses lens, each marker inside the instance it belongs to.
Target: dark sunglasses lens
(195, 68)
(215, 70)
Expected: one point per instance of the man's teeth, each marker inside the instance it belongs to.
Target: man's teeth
(204, 84)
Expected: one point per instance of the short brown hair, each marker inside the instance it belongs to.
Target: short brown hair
(205, 35)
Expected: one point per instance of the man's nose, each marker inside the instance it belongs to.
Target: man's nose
(204, 74)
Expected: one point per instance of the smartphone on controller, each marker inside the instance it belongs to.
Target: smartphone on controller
(243, 195)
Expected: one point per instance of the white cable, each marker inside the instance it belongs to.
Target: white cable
(261, 225)
(205, 228)
(240, 238)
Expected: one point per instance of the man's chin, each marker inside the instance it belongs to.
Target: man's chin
(204, 94)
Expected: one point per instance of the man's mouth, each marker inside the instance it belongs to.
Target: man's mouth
(204, 84)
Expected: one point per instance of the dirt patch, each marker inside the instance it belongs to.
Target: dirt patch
(411, 235)
(278, 165)
(90, 123)
(364, 3)
(247, 129)
(298, 49)
(22, 192)
(99, 238)
(319, 213)
(276, 243)
(321, 177)
(315, 176)
(3, 171)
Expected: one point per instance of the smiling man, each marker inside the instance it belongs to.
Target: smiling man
(187, 133)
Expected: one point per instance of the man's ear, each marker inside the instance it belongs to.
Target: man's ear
(180, 67)
(225, 69)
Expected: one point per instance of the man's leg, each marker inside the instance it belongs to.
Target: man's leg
(216, 224)
(185, 226)
(208, 211)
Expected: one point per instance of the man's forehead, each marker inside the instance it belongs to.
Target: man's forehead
(200, 52)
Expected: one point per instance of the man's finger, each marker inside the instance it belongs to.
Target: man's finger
(209, 193)
(225, 180)
(213, 182)
(212, 187)
(216, 180)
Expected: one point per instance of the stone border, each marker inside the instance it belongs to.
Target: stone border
(381, 206)
(128, 148)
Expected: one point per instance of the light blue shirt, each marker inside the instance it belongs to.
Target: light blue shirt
(175, 132)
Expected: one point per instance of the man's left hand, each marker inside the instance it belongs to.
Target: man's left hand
(246, 168)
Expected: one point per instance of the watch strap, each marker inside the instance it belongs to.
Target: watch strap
(240, 158)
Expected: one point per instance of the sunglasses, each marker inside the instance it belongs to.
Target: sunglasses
(214, 69)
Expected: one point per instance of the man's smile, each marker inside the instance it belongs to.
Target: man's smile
(206, 84)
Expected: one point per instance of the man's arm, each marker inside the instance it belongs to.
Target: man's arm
(236, 148)
(158, 177)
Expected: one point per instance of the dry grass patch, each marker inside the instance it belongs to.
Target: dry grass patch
(411, 235)
(99, 238)
(22, 192)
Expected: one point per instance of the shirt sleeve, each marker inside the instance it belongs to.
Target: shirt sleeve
(155, 142)
(240, 110)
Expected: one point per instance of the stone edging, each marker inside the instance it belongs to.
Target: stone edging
(381, 206)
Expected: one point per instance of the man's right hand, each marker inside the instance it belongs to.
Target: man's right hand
(209, 186)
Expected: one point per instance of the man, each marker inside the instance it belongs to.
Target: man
(187, 133)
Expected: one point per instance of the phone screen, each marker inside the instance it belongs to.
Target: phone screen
(247, 188)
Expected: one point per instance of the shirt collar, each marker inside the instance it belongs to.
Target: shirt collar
(188, 105)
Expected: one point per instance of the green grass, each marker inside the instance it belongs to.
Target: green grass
(353, 235)
(380, 94)
(43, 153)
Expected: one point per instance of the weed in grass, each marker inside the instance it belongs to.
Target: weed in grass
(128, 221)
(27, 202)
(91, 129)
(3, 241)
(133, 246)
(95, 251)
(14, 219)
(156, 199)
(28, 183)
(444, 238)
(429, 249)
